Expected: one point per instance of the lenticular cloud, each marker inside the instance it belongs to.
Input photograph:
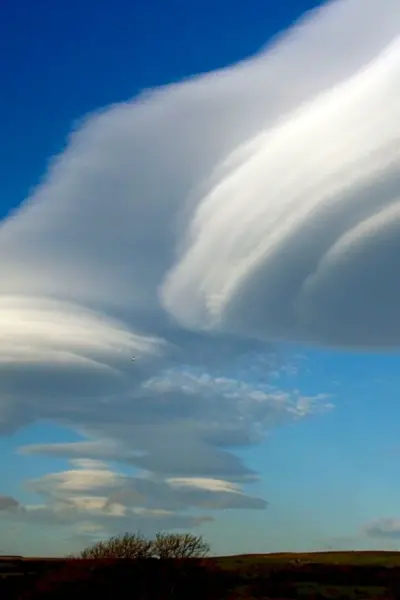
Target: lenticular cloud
(298, 236)
(261, 200)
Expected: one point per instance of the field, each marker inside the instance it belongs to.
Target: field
(353, 575)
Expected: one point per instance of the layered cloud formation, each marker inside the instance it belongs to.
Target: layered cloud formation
(193, 227)
(272, 184)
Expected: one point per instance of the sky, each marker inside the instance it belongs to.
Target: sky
(214, 191)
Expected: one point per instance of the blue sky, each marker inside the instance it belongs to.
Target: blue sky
(307, 402)
(62, 61)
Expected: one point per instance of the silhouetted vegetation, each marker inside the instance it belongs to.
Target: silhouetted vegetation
(354, 575)
(130, 545)
(135, 545)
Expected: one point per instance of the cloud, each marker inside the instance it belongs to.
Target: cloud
(192, 229)
(300, 220)
(93, 499)
(385, 528)
(384, 532)
(8, 503)
(271, 184)
(204, 415)
(180, 494)
(88, 476)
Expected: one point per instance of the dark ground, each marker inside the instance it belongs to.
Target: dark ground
(354, 575)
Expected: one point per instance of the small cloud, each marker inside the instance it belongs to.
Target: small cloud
(212, 485)
(8, 503)
(89, 464)
(383, 528)
(76, 480)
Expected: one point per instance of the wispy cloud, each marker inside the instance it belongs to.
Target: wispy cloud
(202, 415)
(385, 528)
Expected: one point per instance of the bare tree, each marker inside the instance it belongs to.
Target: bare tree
(130, 545)
(135, 545)
(179, 545)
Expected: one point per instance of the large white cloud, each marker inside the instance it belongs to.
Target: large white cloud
(271, 185)
(196, 223)
(301, 223)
